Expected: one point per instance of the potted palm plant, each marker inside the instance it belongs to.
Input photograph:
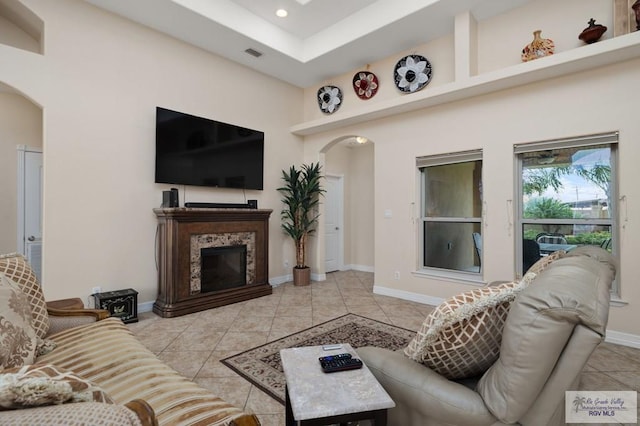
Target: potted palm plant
(300, 194)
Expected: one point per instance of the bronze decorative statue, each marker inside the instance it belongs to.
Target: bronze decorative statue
(636, 10)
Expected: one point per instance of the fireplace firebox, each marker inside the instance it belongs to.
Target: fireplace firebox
(222, 268)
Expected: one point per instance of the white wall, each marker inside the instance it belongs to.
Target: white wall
(99, 83)
(500, 39)
(585, 103)
(102, 77)
(439, 52)
(355, 164)
(362, 200)
(12, 34)
(593, 101)
(20, 124)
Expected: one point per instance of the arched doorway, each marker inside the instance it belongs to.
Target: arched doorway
(348, 205)
(20, 127)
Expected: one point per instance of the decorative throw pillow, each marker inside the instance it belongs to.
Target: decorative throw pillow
(16, 267)
(18, 339)
(45, 346)
(46, 384)
(545, 262)
(462, 336)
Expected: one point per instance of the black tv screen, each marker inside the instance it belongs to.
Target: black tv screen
(193, 150)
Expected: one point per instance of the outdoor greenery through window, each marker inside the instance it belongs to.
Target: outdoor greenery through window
(568, 196)
(451, 211)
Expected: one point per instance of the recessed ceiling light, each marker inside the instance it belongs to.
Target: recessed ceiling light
(361, 139)
(281, 13)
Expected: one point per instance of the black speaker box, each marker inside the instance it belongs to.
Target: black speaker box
(170, 198)
(253, 204)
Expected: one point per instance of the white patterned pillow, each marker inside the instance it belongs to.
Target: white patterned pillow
(18, 340)
(462, 336)
(16, 267)
(45, 384)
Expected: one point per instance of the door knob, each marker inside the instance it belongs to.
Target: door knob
(31, 238)
(337, 228)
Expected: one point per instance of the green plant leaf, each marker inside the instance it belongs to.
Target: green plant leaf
(300, 192)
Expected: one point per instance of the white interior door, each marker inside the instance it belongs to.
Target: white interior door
(333, 223)
(30, 177)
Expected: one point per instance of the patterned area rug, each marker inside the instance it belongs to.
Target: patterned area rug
(261, 365)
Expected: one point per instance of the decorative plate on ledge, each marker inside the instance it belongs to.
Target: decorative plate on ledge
(329, 99)
(412, 73)
(365, 84)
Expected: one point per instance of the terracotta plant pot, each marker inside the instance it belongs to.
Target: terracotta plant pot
(301, 276)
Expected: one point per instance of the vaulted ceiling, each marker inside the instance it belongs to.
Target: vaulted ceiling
(318, 39)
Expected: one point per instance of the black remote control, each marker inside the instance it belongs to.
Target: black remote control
(334, 357)
(341, 365)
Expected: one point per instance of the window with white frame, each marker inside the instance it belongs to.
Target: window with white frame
(451, 212)
(567, 196)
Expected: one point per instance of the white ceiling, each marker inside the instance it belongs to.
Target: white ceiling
(318, 40)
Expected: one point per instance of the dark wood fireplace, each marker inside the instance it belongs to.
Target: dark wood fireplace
(210, 257)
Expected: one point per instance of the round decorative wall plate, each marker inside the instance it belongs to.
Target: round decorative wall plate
(365, 84)
(412, 73)
(329, 99)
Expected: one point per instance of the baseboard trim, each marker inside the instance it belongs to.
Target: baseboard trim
(624, 339)
(615, 337)
(276, 281)
(361, 268)
(407, 295)
(318, 277)
(145, 307)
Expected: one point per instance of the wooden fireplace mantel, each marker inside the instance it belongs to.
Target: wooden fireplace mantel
(176, 226)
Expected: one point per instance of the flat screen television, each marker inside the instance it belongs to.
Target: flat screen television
(193, 150)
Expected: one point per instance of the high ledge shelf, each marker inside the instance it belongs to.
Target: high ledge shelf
(466, 85)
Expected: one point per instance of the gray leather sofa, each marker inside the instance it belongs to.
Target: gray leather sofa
(551, 330)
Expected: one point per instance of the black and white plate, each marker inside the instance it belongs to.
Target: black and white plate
(329, 99)
(412, 73)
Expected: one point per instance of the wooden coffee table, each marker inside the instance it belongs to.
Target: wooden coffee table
(317, 398)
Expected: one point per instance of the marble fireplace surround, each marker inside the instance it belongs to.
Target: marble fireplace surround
(225, 239)
(182, 232)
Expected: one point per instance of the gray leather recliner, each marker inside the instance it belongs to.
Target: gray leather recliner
(552, 329)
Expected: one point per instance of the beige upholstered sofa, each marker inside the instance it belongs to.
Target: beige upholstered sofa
(102, 351)
(553, 325)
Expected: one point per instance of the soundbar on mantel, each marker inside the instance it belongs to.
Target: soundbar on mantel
(219, 205)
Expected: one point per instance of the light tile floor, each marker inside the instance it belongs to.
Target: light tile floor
(193, 344)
